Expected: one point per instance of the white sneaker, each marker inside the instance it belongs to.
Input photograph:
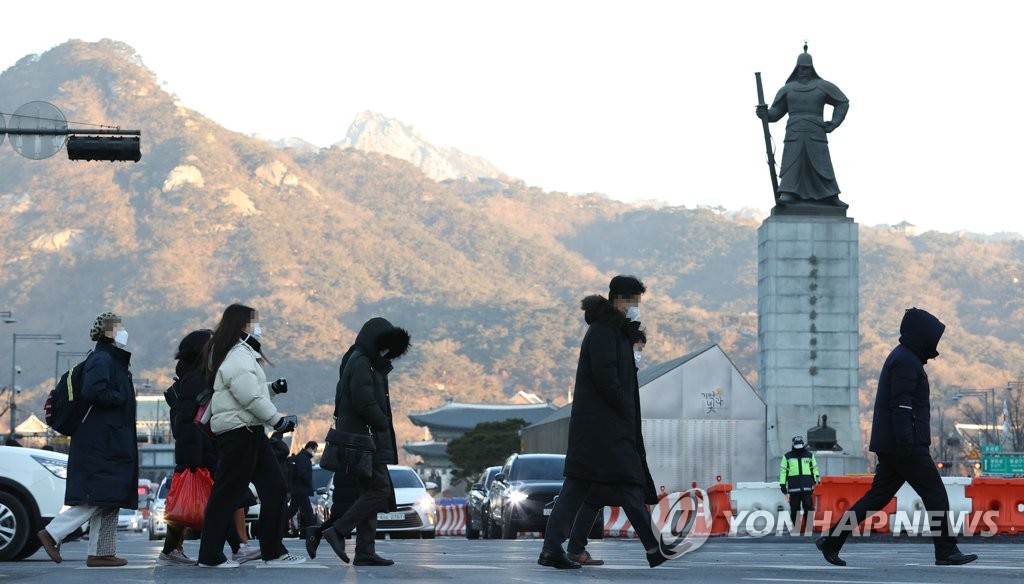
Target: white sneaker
(225, 564)
(246, 553)
(282, 562)
(175, 558)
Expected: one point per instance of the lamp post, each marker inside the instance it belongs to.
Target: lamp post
(990, 398)
(57, 339)
(68, 355)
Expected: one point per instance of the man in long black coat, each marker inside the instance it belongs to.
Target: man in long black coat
(103, 462)
(900, 437)
(606, 463)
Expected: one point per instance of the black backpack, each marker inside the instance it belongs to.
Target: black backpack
(65, 408)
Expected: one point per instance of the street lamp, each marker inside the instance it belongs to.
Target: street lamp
(68, 355)
(8, 317)
(57, 339)
(988, 394)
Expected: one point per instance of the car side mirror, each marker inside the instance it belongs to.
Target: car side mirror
(430, 486)
(500, 477)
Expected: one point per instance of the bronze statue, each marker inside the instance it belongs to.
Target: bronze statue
(807, 178)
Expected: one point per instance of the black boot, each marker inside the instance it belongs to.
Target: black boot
(372, 560)
(313, 535)
(337, 542)
(829, 550)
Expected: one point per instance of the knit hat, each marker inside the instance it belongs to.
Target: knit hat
(102, 323)
(192, 345)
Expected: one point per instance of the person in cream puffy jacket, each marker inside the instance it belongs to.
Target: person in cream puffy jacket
(241, 411)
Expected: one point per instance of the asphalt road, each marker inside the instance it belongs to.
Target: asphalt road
(457, 560)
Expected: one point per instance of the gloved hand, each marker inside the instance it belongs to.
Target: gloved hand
(280, 386)
(286, 424)
(784, 489)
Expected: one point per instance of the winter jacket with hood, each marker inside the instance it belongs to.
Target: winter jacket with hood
(902, 423)
(362, 402)
(103, 462)
(241, 393)
(605, 440)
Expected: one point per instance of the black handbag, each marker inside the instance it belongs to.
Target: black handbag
(349, 453)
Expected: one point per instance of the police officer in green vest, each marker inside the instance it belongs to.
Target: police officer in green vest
(798, 473)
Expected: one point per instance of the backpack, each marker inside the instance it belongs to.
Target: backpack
(65, 408)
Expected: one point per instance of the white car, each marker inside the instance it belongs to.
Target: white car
(416, 515)
(157, 528)
(32, 486)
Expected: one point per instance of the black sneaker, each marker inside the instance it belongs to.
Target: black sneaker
(337, 542)
(956, 559)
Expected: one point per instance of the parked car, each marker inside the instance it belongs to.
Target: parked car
(523, 493)
(124, 519)
(477, 504)
(157, 528)
(31, 494)
(416, 514)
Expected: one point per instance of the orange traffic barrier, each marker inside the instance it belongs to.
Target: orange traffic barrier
(836, 494)
(1003, 496)
(721, 507)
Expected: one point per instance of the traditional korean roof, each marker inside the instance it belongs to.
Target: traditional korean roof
(463, 416)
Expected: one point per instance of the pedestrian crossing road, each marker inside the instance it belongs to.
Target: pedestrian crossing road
(457, 560)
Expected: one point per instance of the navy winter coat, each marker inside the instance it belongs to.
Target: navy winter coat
(902, 423)
(103, 463)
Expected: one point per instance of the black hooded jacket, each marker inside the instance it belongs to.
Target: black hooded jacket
(192, 448)
(902, 420)
(362, 400)
(605, 440)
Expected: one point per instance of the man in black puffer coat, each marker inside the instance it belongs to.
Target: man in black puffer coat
(606, 463)
(900, 436)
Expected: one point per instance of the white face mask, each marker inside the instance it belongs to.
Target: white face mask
(257, 331)
(121, 338)
(637, 356)
(633, 313)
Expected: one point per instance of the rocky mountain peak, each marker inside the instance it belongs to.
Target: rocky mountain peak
(375, 132)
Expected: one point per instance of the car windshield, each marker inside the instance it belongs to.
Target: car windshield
(538, 469)
(126, 512)
(164, 487)
(403, 478)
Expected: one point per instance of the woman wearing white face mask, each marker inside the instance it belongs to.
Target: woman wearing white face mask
(103, 463)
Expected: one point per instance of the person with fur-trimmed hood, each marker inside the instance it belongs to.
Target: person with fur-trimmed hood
(606, 463)
(363, 403)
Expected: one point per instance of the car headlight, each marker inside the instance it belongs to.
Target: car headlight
(57, 466)
(425, 504)
(516, 497)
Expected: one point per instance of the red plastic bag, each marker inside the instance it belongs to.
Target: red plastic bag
(186, 501)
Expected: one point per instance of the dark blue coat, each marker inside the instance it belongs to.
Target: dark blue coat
(103, 462)
(902, 417)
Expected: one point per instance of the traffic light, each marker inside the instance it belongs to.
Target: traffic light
(121, 148)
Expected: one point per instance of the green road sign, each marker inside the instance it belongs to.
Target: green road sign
(1003, 464)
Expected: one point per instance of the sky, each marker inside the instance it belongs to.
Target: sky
(638, 100)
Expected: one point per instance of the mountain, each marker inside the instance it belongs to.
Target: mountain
(373, 132)
(485, 272)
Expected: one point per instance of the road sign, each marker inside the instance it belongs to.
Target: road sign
(1003, 464)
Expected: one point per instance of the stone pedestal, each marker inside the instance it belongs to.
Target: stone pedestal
(808, 334)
